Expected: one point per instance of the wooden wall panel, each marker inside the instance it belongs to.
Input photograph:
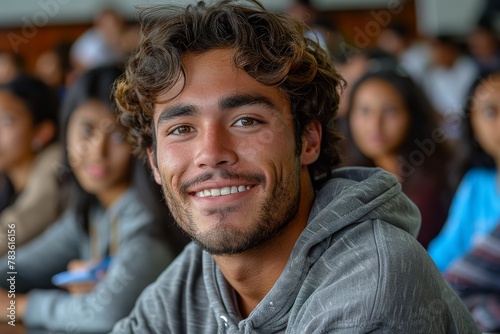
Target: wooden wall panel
(30, 43)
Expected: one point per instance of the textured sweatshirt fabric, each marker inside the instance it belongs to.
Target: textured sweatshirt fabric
(356, 268)
(138, 262)
(37, 205)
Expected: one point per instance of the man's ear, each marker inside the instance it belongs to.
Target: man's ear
(311, 143)
(153, 164)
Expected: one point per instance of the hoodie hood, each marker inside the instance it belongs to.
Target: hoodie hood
(351, 196)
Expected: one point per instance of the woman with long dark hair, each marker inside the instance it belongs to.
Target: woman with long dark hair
(113, 211)
(391, 125)
(475, 210)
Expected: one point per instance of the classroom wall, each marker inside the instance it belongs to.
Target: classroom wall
(30, 27)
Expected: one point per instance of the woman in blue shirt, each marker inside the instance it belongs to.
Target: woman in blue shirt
(475, 209)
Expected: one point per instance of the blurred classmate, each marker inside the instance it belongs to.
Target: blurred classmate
(54, 68)
(447, 80)
(476, 279)
(11, 65)
(320, 28)
(475, 209)
(29, 187)
(305, 12)
(483, 46)
(392, 126)
(113, 209)
(100, 45)
(413, 57)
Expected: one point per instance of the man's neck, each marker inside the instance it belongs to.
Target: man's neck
(252, 274)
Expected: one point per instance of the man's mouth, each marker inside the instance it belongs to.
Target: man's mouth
(213, 192)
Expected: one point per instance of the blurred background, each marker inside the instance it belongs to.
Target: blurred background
(32, 27)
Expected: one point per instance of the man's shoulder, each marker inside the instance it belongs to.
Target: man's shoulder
(376, 273)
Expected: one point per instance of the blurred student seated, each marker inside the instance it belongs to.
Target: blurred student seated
(110, 40)
(447, 80)
(29, 186)
(413, 56)
(475, 209)
(476, 279)
(482, 45)
(113, 211)
(391, 125)
(54, 68)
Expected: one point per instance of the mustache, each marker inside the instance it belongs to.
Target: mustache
(225, 175)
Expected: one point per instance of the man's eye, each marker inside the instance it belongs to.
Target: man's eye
(181, 130)
(246, 121)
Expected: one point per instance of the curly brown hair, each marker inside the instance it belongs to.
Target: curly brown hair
(270, 47)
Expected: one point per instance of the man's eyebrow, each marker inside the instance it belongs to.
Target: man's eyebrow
(230, 102)
(174, 112)
(242, 100)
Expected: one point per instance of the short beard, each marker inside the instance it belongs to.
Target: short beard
(273, 218)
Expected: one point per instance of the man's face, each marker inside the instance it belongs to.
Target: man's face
(225, 155)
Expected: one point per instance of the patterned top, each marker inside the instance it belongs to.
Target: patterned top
(476, 278)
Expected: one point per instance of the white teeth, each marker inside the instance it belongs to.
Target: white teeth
(222, 191)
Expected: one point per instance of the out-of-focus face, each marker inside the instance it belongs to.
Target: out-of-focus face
(443, 55)
(391, 43)
(485, 116)
(98, 151)
(379, 119)
(17, 132)
(48, 68)
(8, 68)
(482, 43)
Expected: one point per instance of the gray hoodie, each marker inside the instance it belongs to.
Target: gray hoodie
(356, 268)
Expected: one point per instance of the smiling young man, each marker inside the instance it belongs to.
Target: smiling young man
(233, 108)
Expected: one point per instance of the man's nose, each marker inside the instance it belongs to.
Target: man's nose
(215, 148)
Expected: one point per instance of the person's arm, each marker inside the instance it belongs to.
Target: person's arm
(137, 264)
(33, 265)
(36, 262)
(454, 238)
(476, 278)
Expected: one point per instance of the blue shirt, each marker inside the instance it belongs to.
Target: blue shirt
(474, 213)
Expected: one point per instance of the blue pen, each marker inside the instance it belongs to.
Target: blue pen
(87, 275)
